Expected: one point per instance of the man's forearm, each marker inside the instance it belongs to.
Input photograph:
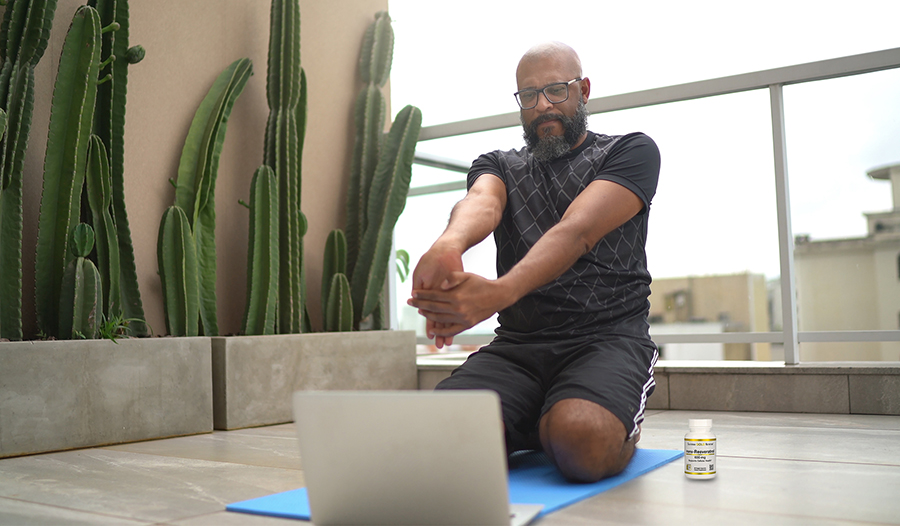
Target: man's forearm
(471, 221)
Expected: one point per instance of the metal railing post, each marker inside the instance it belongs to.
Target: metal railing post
(785, 233)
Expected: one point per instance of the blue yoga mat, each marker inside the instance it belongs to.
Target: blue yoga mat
(532, 480)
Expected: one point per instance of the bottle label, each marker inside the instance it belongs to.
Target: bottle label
(699, 456)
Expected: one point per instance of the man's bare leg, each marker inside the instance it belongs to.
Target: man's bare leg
(584, 440)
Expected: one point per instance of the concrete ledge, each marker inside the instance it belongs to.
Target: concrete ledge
(827, 387)
(254, 377)
(57, 395)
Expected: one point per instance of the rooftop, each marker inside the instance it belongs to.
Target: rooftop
(774, 468)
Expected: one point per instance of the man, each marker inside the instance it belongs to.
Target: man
(572, 360)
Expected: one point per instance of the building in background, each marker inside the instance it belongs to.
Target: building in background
(852, 284)
(711, 304)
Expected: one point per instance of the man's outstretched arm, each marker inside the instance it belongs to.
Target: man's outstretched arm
(471, 221)
(465, 299)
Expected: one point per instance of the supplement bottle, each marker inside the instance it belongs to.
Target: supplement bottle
(700, 450)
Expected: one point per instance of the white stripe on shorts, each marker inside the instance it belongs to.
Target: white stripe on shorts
(639, 417)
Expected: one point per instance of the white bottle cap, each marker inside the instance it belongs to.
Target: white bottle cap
(700, 422)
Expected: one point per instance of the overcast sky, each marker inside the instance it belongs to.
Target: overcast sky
(714, 211)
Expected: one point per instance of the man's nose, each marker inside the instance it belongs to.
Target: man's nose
(543, 102)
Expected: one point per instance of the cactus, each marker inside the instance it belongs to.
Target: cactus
(371, 109)
(386, 200)
(98, 181)
(262, 256)
(380, 172)
(177, 258)
(82, 289)
(197, 170)
(71, 117)
(285, 131)
(339, 307)
(23, 38)
(334, 263)
(109, 125)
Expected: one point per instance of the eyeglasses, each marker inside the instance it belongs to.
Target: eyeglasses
(556, 93)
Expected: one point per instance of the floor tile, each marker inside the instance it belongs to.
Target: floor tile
(276, 450)
(138, 486)
(19, 513)
(862, 438)
(794, 469)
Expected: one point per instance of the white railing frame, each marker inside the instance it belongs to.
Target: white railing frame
(773, 80)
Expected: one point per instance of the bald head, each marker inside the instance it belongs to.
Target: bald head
(557, 53)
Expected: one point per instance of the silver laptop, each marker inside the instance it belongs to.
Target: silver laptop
(405, 457)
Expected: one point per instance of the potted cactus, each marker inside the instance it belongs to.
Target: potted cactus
(254, 375)
(83, 391)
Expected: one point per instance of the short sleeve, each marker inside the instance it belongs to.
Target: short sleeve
(485, 163)
(633, 162)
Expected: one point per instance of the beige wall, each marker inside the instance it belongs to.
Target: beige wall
(188, 44)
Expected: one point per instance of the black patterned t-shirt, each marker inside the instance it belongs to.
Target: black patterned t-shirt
(607, 289)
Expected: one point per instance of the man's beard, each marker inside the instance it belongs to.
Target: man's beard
(553, 147)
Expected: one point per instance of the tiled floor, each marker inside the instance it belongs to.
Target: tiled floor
(773, 469)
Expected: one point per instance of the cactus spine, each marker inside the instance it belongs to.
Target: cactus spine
(82, 289)
(197, 170)
(262, 256)
(109, 125)
(71, 117)
(23, 38)
(377, 193)
(177, 258)
(285, 131)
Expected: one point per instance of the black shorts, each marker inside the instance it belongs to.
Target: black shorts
(613, 371)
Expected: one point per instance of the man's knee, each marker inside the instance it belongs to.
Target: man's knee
(585, 441)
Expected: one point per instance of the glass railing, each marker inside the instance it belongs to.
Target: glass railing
(747, 263)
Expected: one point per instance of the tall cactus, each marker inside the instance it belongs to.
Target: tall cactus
(24, 35)
(71, 117)
(380, 172)
(98, 182)
(177, 259)
(262, 256)
(109, 125)
(285, 131)
(82, 289)
(369, 115)
(386, 200)
(197, 170)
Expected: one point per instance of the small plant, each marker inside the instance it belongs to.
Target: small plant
(115, 327)
(402, 257)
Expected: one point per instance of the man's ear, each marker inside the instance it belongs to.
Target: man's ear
(585, 89)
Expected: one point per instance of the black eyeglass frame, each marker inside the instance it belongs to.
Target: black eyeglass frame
(537, 93)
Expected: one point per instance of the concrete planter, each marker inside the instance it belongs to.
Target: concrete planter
(254, 376)
(57, 395)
